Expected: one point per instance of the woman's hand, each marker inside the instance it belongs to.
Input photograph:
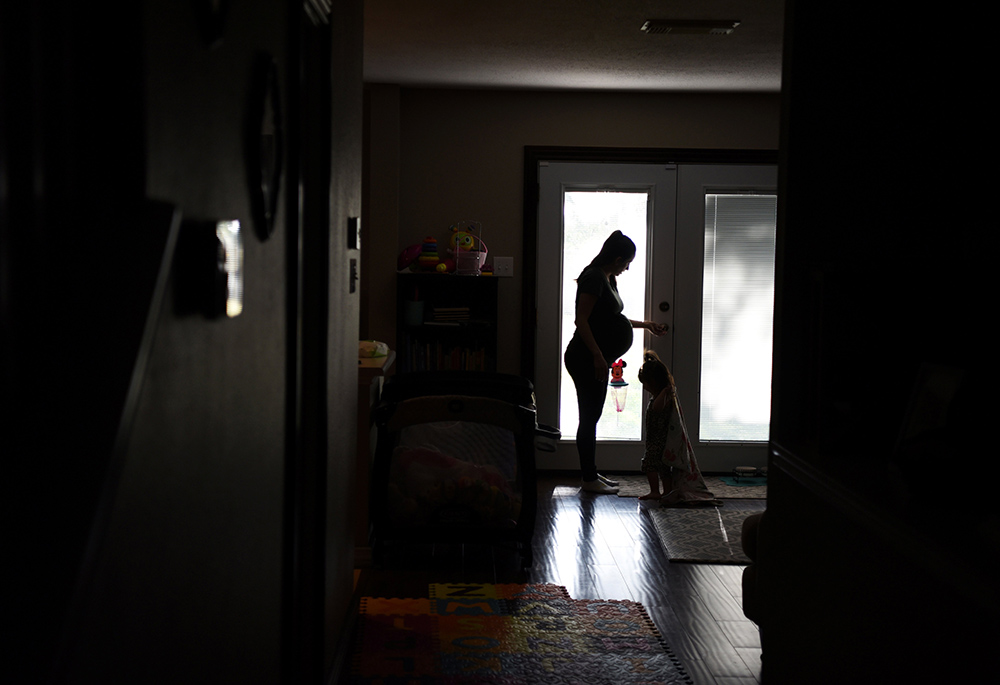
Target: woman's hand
(600, 367)
(656, 329)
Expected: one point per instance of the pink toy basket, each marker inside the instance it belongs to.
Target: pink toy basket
(470, 263)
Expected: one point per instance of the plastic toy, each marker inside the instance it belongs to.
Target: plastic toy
(617, 371)
(428, 259)
(408, 256)
(468, 249)
(461, 240)
(619, 387)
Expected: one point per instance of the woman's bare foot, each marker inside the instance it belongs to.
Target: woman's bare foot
(652, 495)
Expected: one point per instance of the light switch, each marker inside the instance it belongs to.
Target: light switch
(503, 266)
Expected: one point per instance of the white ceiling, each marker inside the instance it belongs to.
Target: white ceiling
(571, 44)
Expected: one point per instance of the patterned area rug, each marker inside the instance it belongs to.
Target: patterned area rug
(707, 535)
(510, 634)
(637, 485)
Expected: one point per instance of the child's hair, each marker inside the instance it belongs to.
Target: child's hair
(654, 371)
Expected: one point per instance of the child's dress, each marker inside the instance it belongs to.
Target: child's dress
(669, 453)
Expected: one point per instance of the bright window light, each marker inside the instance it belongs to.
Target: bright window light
(589, 217)
(737, 315)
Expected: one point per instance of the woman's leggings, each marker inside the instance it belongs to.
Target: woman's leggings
(590, 396)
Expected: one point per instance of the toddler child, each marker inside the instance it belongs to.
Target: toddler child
(669, 456)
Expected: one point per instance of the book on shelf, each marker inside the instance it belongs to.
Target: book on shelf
(437, 356)
(440, 314)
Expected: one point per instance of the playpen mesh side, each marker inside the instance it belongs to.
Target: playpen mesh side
(455, 473)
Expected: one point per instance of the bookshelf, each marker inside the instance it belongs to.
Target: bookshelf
(446, 322)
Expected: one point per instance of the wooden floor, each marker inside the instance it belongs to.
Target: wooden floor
(603, 547)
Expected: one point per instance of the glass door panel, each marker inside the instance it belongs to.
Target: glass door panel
(737, 317)
(580, 205)
(724, 295)
(589, 217)
(708, 282)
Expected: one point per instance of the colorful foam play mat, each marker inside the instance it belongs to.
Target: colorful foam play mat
(509, 634)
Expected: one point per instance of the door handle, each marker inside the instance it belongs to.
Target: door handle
(664, 306)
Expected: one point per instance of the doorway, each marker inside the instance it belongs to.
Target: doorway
(704, 266)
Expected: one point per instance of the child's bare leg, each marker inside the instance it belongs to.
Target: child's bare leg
(654, 486)
(666, 475)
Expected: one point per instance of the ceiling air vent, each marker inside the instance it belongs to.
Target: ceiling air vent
(695, 26)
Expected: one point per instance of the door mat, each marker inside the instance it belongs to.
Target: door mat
(743, 481)
(509, 633)
(637, 485)
(706, 535)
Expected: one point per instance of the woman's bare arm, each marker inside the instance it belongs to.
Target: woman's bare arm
(585, 303)
(651, 326)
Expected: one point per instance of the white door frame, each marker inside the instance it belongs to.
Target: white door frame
(555, 178)
(679, 285)
(693, 182)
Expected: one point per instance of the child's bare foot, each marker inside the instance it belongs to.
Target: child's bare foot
(652, 495)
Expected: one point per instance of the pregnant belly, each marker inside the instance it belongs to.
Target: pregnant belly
(614, 337)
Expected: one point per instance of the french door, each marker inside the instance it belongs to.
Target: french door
(704, 238)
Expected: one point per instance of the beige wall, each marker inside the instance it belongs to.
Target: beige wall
(461, 155)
